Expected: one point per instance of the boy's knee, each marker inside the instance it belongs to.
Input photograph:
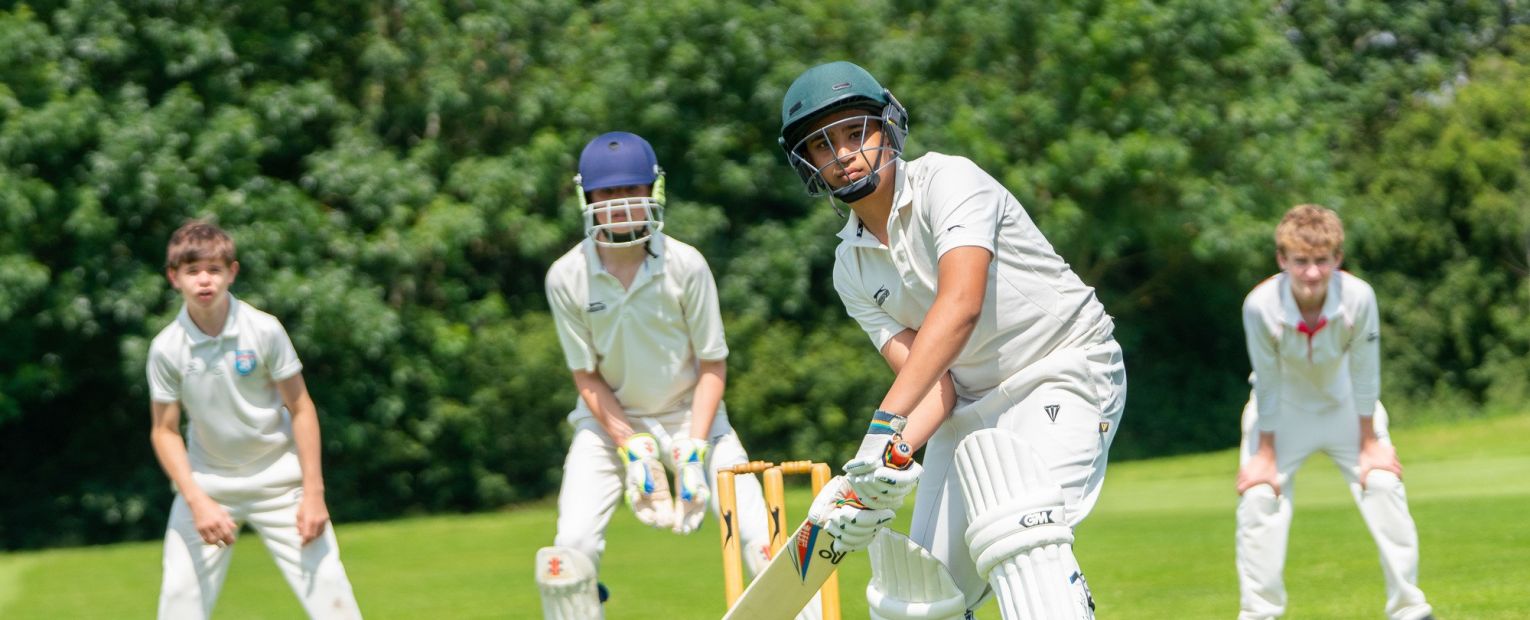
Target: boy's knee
(1382, 481)
(1261, 499)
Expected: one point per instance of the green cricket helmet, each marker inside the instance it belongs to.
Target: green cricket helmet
(829, 88)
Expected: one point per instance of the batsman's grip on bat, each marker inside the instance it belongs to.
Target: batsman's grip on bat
(883, 471)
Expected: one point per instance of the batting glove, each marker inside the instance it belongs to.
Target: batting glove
(647, 488)
(691, 492)
(883, 472)
(843, 516)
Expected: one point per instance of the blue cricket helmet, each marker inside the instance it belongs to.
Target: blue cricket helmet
(617, 159)
(620, 159)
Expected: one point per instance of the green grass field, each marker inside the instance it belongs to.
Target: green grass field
(1159, 545)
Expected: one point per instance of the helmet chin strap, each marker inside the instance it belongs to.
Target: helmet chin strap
(859, 189)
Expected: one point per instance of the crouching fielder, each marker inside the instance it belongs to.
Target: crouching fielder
(637, 315)
(1313, 337)
(1007, 370)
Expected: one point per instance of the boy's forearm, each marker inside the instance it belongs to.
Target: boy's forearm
(1267, 443)
(602, 402)
(170, 451)
(306, 435)
(931, 412)
(1367, 431)
(711, 381)
(305, 431)
(934, 349)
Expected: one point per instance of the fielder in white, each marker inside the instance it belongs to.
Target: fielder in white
(1313, 339)
(251, 454)
(637, 316)
(1007, 370)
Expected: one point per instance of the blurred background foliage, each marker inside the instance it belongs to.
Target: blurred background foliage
(396, 174)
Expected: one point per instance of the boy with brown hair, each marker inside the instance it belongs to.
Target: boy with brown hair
(251, 451)
(1313, 340)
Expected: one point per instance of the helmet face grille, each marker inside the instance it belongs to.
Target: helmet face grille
(622, 222)
(856, 141)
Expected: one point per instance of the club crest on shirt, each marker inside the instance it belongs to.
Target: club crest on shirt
(595, 306)
(881, 295)
(244, 362)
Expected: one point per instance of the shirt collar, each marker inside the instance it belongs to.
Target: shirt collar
(196, 335)
(854, 232)
(1333, 306)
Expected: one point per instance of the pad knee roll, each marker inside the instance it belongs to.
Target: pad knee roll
(907, 583)
(566, 579)
(1018, 533)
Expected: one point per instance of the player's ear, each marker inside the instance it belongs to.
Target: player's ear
(170, 275)
(1338, 259)
(233, 271)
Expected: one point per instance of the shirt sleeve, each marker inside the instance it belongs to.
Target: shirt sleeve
(164, 376)
(1365, 355)
(1264, 356)
(964, 205)
(703, 317)
(860, 305)
(573, 332)
(280, 355)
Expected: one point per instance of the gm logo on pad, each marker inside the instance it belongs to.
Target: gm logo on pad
(1040, 517)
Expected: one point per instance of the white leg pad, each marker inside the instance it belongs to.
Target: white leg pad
(566, 579)
(907, 583)
(1018, 534)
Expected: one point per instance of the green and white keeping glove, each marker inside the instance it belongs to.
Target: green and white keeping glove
(691, 492)
(647, 487)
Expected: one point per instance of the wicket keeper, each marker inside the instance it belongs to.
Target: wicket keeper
(637, 315)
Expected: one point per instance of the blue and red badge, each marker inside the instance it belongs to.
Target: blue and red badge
(244, 362)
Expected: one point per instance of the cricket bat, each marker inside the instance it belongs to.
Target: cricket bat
(799, 569)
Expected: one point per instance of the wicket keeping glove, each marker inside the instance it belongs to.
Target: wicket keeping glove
(691, 492)
(845, 518)
(647, 487)
(883, 473)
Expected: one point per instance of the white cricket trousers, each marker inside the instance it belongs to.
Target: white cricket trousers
(594, 475)
(1264, 520)
(1066, 406)
(194, 570)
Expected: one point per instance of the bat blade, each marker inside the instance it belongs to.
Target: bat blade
(789, 582)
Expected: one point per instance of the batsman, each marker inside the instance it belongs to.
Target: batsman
(1007, 370)
(636, 313)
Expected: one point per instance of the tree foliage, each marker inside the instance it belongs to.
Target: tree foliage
(396, 175)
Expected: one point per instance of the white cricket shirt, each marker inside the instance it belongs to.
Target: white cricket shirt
(645, 340)
(237, 424)
(1329, 368)
(1034, 304)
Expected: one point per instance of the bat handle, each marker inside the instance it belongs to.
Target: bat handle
(899, 454)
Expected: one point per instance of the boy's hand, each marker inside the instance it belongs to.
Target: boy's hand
(883, 471)
(1375, 455)
(212, 521)
(1260, 469)
(691, 492)
(647, 486)
(312, 515)
(842, 516)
